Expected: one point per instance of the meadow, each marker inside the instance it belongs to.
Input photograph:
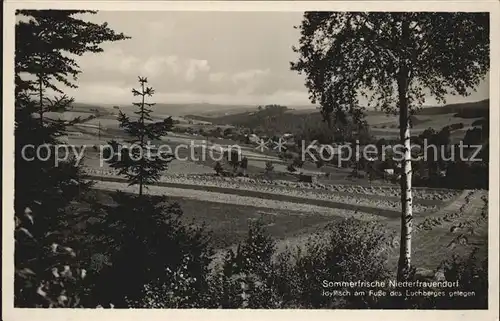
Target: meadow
(291, 210)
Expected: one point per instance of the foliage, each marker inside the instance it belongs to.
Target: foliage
(298, 162)
(474, 136)
(218, 168)
(155, 249)
(234, 159)
(291, 168)
(228, 132)
(268, 170)
(351, 250)
(244, 164)
(47, 274)
(471, 273)
(43, 53)
(248, 278)
(255, 275)
(269, 166)
(373, 44)
(137, 162)
(391, 59)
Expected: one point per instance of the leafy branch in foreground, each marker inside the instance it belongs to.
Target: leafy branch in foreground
(393, 60)
(47, 273)
(47, 42)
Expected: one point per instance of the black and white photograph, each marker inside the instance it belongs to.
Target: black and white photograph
(251, 159)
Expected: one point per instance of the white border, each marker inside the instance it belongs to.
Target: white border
(10, 313)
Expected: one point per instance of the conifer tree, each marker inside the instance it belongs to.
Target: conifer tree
(138, 163)
(44, 38)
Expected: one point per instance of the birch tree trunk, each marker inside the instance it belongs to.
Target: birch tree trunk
(406, 196)
(404, 263)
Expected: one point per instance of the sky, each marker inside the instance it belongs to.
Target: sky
(238, 58)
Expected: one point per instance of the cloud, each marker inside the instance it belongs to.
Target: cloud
(250, 75)
(172, 73)
(194, 67)
(116, 64)
(217, 77)
(115, 93)
(115, 60)
(248, 81)
(237, 57)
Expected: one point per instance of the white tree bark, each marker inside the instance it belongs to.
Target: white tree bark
(406, 203)
(404, 264)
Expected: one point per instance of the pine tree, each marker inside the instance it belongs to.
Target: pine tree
(137, 162)
(44, 38)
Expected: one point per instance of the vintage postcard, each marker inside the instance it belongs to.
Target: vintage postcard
(194, 160)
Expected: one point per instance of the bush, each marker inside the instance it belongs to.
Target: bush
(472, 276)
(248, 277)
(269, 169)
(47, 274)
(218, 168)
(350, 250)
(297, 162)
(256, 276)
(269, 166)
(471, 273)
(153, 249)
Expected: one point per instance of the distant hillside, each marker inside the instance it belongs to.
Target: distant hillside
(272, 120)
(288, 120)
(466, 110)
(211, 110)
(463, 110)
(88, 108)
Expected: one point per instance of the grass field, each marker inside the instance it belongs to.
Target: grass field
(291, 221)
(293, 211)
(382, 126)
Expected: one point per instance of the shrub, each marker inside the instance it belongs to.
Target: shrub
(269, 166)
(218, 168)
(291, 168)
(471, 272)
(350, 250)
(472, 276)
(247, 277)
(269, 169)
(47, 274)
(153, 248)
(297, 162)
(256, 276)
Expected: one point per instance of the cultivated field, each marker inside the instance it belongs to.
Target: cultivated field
(292, 210)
